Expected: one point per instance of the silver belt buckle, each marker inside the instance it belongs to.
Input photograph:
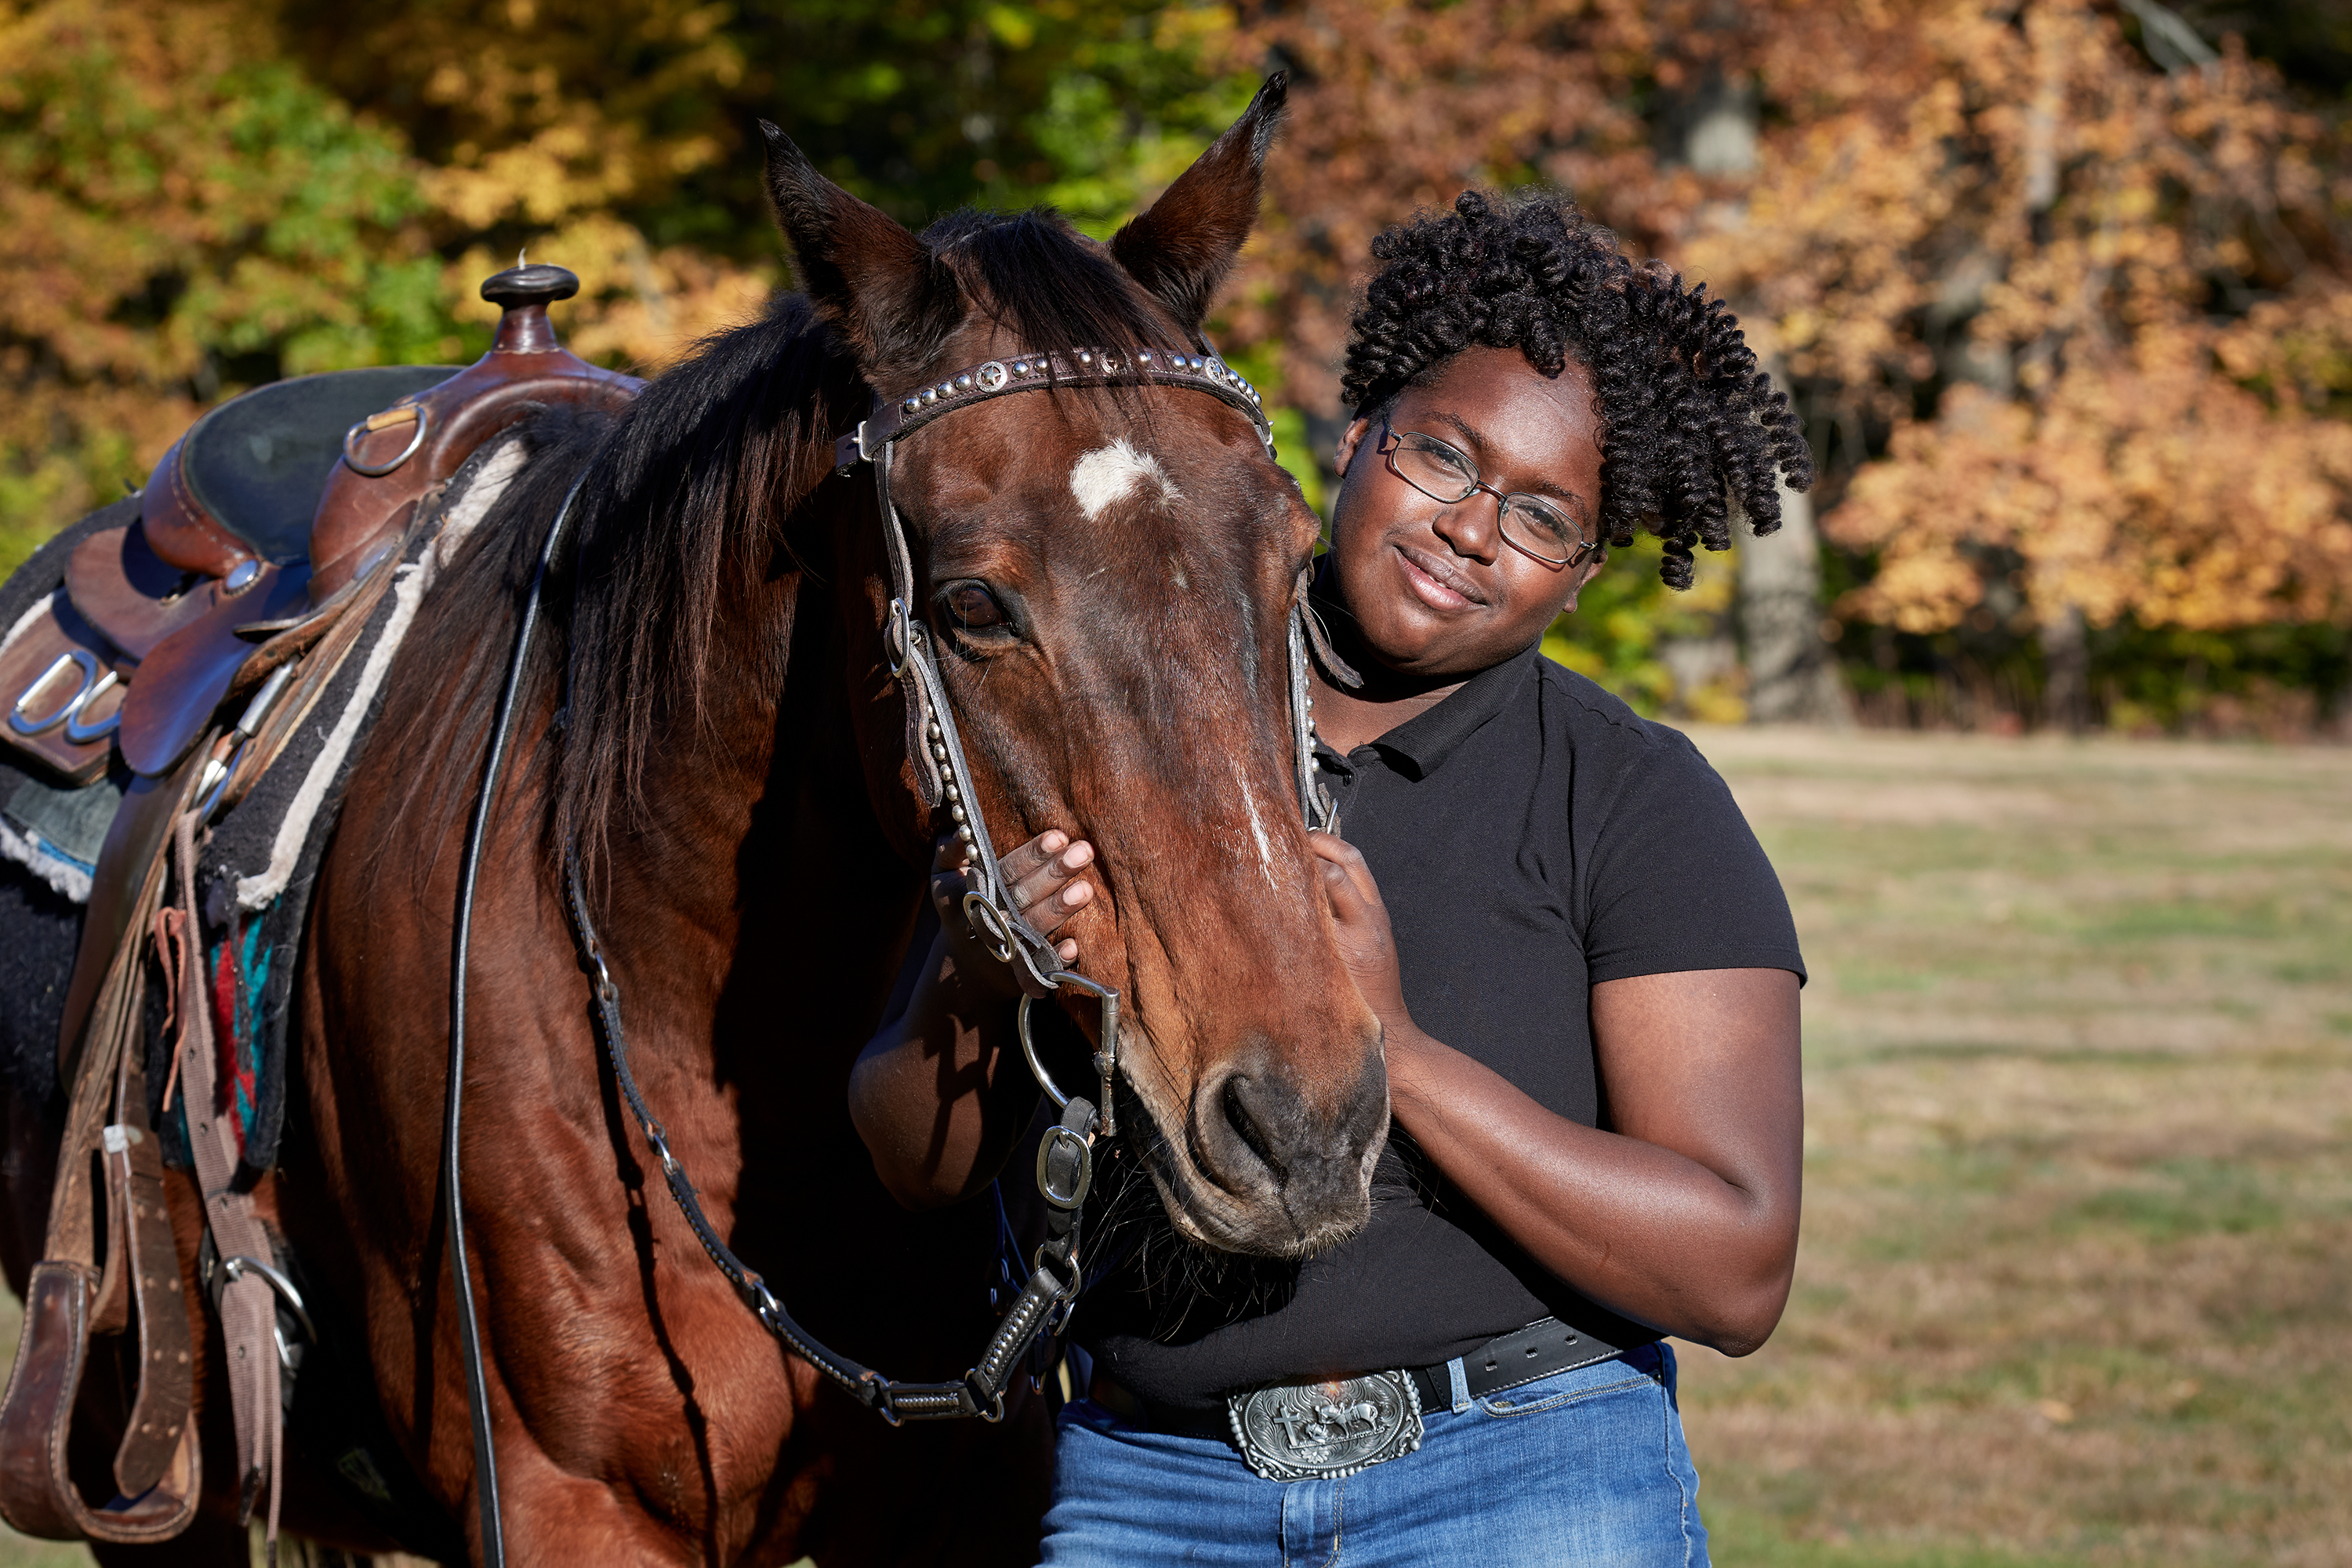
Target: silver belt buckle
(1308, 1431)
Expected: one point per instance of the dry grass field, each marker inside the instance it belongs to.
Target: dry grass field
(2076, 1282)
(2076, 1285)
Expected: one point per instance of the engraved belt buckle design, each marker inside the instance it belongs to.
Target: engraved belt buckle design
(1307, 1431)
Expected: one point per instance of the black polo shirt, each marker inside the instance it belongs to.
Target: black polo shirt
(1532, 837)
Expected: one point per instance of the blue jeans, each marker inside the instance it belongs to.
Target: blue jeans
(1575, 1471)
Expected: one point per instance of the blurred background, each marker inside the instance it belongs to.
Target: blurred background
(2063, 291)
(2061, 288)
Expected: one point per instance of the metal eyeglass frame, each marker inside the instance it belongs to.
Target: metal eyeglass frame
(1388, 449)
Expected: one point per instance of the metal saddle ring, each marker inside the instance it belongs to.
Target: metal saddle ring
(405, 413)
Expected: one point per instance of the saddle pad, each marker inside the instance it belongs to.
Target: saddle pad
(260, 862)
(258, 462)
(48, 845)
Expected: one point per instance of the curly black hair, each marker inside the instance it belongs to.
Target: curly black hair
(1691, 426)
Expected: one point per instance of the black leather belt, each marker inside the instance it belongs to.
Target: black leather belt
(1507, 1360)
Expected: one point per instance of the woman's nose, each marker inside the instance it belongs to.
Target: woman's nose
(1473, 527)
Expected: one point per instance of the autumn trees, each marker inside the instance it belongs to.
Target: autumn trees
(2069, 328)
(2060, 285)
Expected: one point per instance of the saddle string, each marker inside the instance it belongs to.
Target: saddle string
(247, 1304)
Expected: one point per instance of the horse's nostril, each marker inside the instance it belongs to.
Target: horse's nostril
(1246, 1123)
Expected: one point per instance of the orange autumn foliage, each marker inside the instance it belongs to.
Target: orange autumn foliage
(2129, 283)
(2126, 434)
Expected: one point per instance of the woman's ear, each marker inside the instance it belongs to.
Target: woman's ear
(1584, 576)
(1349, 439)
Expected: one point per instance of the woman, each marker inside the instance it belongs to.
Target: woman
(1584, 965)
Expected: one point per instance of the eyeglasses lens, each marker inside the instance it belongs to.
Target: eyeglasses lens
(1541, 530)
(1437, 471)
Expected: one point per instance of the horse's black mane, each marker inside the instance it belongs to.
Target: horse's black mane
(694, 483)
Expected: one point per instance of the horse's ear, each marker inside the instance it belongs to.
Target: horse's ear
(889, 297)
(1184, 246)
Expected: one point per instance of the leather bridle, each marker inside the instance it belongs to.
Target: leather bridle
(943, 776)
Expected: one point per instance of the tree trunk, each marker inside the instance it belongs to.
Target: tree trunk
(1792, 675)
(2066, 672)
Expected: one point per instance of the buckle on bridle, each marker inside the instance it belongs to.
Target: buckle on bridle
(849, 452)
(989, 925)
(1055, 1150)
(898, 639)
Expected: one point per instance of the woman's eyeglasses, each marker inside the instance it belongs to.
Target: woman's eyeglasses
(1531, 524)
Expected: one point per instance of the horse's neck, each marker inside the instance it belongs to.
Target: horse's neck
(767, 903)
(774, 910)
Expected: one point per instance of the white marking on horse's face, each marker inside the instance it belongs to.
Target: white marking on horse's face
(1257, 831)
(1112, 473)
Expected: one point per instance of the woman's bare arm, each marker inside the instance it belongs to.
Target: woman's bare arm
(1685, 1217)
(931, 1093)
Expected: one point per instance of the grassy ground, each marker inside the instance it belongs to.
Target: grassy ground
(2076, 1284)
(2076, 1281)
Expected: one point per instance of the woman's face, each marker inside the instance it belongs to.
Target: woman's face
(1436, 590)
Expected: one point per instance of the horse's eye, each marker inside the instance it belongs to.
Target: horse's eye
(974, 608)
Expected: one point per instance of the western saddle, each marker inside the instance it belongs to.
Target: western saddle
(259, 549)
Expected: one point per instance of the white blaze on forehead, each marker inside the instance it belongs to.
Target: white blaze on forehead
(1112, 473)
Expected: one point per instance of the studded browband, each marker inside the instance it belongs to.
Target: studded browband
(892, 421)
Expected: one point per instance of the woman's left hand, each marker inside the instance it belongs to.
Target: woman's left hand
(1366, 945)
(1043, 881)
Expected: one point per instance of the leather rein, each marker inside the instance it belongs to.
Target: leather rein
(943, 775)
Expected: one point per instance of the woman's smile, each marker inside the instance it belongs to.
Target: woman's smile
(1437, 582)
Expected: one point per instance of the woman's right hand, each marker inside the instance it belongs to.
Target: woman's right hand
(1043, 880)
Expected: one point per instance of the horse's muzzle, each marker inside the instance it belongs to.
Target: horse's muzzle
(1291, 1159)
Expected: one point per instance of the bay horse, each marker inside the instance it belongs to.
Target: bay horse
(710, 718)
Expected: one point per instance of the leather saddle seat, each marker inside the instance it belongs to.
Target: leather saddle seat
(255, 467)
(261, 523)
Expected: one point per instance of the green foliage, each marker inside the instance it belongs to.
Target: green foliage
(2173, 679)
(1292, 449)
(179, 218)
(927, 107)
(2268, 680)
(646, 108)
(1625, 617)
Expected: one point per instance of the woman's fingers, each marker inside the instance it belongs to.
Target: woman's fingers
(1041, 877)
(1050, 895)
(1026, 860)
(1345, 873)
(1042, 882)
